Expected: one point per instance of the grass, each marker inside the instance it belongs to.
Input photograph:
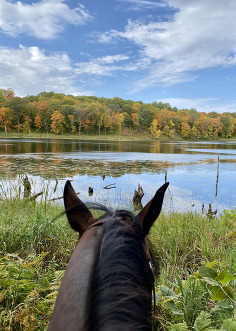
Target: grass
(110, 137)
(35, 251)
(183, 241)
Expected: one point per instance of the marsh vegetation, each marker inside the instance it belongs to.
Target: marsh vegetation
(195, 262)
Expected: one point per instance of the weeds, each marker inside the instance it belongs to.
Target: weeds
(196, 263)
(205, 301)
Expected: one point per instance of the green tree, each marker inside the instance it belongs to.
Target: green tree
(145, 117)
(227, 125)
(17, 104)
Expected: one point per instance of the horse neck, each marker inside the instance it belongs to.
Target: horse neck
(122, 284)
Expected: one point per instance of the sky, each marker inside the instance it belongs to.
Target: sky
(178, 51)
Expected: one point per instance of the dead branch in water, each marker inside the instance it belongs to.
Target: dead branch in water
(55, 188)
(217, 175)
(109, 186)
(33, 197)
(58, 198)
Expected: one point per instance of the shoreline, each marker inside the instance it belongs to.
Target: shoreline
(105, 137)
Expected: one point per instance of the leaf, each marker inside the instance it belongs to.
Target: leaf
(224, 277)
(157, 297)
(229, 325)
(202, 321)
(173, 308)
(167, 292)
(226, 303)
(212, 264)
(196, 274)
(211, 281)
(219, 314)
(207, 272)
(220, 293)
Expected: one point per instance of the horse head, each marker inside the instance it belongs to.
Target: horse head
(108, 282)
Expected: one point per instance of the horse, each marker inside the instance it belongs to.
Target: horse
(109, 280)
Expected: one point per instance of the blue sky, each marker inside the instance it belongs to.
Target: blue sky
(177, 51)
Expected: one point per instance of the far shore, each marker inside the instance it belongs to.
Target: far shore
(143, 137)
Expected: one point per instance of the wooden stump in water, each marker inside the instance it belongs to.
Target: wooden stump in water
(27, 187)
(138, 195)
(90, 191)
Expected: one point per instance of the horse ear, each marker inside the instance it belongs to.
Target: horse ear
(77, 213)
(151, 211)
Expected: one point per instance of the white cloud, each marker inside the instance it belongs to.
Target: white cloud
(112, 58)
(201, 105)
(201, 34)
(104, 66)
(30, 71)
(44, 19)
(141, 4)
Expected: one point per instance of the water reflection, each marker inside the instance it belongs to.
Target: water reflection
(24, 146)
(191, 169)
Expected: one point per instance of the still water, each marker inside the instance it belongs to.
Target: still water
(190, 167)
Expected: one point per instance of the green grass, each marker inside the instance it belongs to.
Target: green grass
(110, 137)
(182, 241)
(34, 252)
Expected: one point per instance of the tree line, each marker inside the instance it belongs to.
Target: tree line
(60, 113)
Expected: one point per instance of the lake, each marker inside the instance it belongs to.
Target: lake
(190, 167)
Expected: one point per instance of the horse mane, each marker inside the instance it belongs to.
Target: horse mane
(123, 281)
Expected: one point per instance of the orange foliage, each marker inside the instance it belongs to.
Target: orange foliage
(58, 119)
(91, 114)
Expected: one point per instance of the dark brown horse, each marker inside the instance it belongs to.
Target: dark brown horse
(108, 283)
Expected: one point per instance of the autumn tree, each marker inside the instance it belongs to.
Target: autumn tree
(81, 115)
(96, 112)
(108, 119)
(72, 123)
(25, 126)
(134, 117)
(57, 125)
(44, 112)
(7, 93)
(120, 119)
(68, 110)
(154, 128)
(6, 115)
(185, 130)
(38, 122)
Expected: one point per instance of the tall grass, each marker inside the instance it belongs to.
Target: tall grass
(181, 242)
(34, 252)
